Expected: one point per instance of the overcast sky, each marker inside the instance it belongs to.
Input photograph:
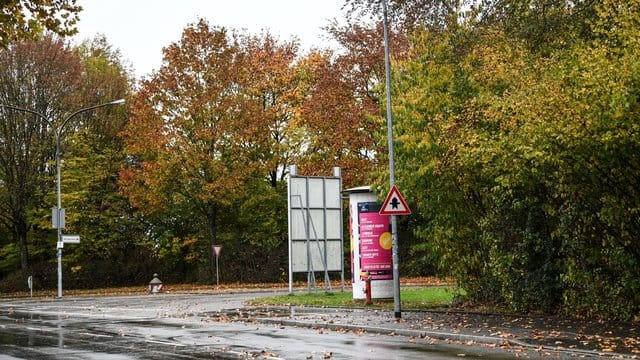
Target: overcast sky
(141, 28)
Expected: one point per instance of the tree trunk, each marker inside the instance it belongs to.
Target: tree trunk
(20, 233)
(211, 219)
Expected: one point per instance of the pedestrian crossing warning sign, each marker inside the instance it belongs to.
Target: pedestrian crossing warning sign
(394, 204)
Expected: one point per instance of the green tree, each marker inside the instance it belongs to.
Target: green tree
(543, 26)
(53, 79)
(600, 201)
(523, 163)
(41, 76)
(110, 233)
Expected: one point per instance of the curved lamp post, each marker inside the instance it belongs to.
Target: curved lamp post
(58, 134)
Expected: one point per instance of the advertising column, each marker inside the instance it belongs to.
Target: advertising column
(370, 245)
(375, 242)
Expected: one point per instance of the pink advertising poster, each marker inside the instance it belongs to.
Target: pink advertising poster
(375, 242)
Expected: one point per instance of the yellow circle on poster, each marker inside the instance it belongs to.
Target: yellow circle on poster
(385, 240)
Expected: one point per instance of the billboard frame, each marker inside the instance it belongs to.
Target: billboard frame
(315, 216)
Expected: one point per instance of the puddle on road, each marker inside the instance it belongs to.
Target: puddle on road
(26, 340)
(40, 337)
(35, 345)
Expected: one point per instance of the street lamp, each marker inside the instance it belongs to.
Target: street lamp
(59, 212)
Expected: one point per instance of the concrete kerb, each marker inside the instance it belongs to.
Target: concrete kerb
(437, 335)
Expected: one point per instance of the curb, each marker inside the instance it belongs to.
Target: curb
(442, 336)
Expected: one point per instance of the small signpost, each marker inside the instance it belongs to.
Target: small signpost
(30, 284)
(216, 250)
(395, 205)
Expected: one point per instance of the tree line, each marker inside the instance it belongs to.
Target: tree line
(518, 139)
(516, 146)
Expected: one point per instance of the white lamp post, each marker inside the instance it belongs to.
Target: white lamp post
(58, 215)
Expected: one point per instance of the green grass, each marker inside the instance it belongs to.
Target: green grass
(411, 298)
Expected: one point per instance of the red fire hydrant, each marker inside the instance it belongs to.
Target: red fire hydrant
(367, 289)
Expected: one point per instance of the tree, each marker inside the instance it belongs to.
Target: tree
(408, 15)
(211, 121)
(53, 79)
(41, 76)
(600, 147)
(96, 211)
(273, 91)
(542, 25)
(341, 114)
(513, 152)
(28, 19)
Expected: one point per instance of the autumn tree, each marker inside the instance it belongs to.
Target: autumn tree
(28, 19)
(274, 88)
(341, 114)
(210, 130)
(273, 91)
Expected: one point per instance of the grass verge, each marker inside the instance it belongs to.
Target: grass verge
(418, 298)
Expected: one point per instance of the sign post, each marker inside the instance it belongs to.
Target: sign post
(392, 173)
(216, 250)
(30, 284)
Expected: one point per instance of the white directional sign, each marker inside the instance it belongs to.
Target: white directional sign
(394, 204)
(71, 239)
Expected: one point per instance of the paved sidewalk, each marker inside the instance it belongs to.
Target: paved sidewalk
(541, 336)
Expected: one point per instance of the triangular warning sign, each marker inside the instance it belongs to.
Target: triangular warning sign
(216, 249)
(394, 204)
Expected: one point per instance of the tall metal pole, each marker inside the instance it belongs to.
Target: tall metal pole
(217, 273)
(59, 210)
(58, 134)
(392, 173)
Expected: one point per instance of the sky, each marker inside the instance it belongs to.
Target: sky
(141, 28)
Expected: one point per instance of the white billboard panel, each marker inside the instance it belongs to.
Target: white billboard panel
(316, 192)
(333, 193)
(334, 224)
(316, 251)
(315, 224)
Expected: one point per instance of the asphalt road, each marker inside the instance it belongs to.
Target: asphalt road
(218, 326)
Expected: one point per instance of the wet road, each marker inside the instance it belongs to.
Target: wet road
(190, 326)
